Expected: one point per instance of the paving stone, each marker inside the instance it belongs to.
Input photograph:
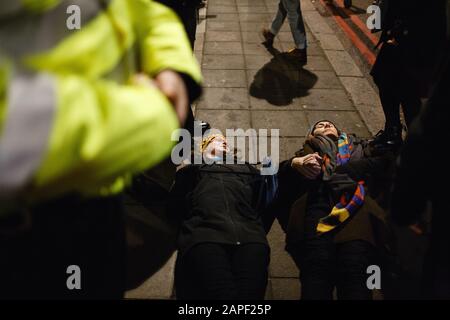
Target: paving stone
(290, 123)
(307, 5)
(222, 26)
(255, 37)
(225, 119)
(360, 90)
(256, 61)
(221, 9)
(318, 63)
(221, 3)
(226, 36)
(290, 146)
(314, 48)
(285, 288)
(255, 49)
(326, 79)
(325, 99)
(254, 17)
(316, 23)
(281, 264)
(253, 26)
(158, 286)
(224, 78)
(259, 104)
(199, 42)
(348, 121)
(329, 41)
(224, 98)
(366, 101)
(198, 55)
(222, 17)
(218, 47)
(252, 9)
(249, 3)
(343, 63)
(268, 295)
(222, 61)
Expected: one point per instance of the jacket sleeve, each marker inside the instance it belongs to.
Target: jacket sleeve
(101, 134)
(368, 166)
(291, 186)
(164, 43)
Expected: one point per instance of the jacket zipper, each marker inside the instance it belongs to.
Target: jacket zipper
(228, 211)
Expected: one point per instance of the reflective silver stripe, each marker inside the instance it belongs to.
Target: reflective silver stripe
(27, 34)
(30, 109)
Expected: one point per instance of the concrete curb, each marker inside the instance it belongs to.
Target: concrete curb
(362, 94)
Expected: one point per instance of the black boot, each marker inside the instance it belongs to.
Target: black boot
(390, 137)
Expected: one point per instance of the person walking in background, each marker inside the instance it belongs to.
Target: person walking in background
(292, 10)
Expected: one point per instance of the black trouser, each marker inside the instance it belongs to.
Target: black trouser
(325, 265)
(212, 271)
(89, 234)
(396, 87)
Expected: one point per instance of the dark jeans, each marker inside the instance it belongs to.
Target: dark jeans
(325, 265)
(396, 87)
(212, 271)
(89, 234)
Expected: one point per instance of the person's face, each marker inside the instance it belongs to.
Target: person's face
(218, 146)
(325, 128)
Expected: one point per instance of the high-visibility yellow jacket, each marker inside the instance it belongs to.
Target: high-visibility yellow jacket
(70, 119)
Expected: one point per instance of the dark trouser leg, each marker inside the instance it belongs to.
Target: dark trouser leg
(205, 272)
(250, 263)
(189, 124)
(391, 106)
(279, 18)
(317, 269)
(189, 18)
(385, 73)
(411, 103)
(317, 253)
(353, 258)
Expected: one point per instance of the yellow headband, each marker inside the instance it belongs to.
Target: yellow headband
(206, 141)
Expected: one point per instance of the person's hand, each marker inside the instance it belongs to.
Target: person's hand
(393, 42)
(309, 166)
(172, 86)
(417, 228)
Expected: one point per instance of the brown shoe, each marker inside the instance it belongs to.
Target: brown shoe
(268, 36)
(299, 54)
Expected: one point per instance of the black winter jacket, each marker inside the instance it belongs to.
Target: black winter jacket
(217, 203)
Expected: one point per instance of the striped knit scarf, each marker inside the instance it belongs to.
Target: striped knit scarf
(347, 206)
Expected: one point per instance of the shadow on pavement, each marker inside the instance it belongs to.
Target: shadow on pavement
(151, 235)
(281, 80)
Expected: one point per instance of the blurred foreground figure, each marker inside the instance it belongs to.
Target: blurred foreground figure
(418, 187)
(412, 38)
(87, 99)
